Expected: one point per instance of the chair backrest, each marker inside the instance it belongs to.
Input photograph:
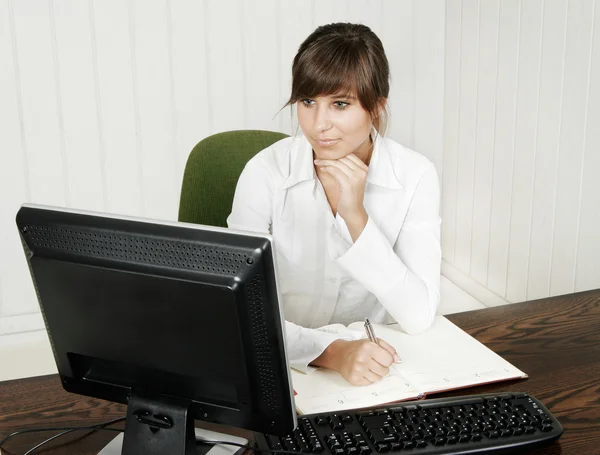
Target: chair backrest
(212, 171)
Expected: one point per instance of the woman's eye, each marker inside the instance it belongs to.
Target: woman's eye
(308, 102)
(340, 104)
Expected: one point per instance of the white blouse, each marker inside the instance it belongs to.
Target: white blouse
(390, 274)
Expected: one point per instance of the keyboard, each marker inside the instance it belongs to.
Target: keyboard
(470, 424)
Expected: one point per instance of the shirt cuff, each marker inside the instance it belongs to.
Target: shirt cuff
(370, 260)
(305, 345)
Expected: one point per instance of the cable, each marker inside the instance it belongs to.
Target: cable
(100, 426)
(64, 430)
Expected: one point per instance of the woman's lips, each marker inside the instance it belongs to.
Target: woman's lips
(326, 142)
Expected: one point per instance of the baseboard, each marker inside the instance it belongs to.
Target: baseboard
(23, 355)
(472, 287)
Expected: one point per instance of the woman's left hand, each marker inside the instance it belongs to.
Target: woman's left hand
(351, 175)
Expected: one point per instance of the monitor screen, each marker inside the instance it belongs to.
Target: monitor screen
(162, 313)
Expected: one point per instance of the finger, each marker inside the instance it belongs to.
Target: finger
(382, 356)
(356, 160)
(338, 175)
(376, 368)
(372, 376)
(357, 171)
(388, 347)
(337, 164)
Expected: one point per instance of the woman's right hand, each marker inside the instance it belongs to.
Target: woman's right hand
(360, 362)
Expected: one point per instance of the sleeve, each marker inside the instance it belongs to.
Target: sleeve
(252, 210)
(405, 278)
(252, 206)
(305, 345)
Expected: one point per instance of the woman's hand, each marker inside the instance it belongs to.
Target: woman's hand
(360, 362)
(351, 175)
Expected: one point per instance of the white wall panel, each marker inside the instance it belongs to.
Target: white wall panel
(529, 66)
(428, 16)
(469, 69)
(154, 90)
(546, 157)
(588, 246)
(263, 99)
(508, 57)
(571, 146)
(190, 89)
(119, 138)
(79, 112)
(15, 287)
(452, 69)
(399, 41)
(487, 75)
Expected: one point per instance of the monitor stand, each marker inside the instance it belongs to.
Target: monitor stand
(115, 446)
(159, 424)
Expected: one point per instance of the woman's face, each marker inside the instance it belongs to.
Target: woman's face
(335, 126)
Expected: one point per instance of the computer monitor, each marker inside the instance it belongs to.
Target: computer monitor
(176, 320)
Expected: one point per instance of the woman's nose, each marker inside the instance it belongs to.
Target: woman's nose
(322, 121)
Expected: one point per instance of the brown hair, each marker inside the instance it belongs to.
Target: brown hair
(343, 58)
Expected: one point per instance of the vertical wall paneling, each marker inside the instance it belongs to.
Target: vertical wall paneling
(546, 148)
(118, 132)
(153, 88)
(571, 144)
(452, 70)
(429, 81)
(35, 53)
(262, 94)
(294, 21)
(190, 80)
(329, 12)
(487, 57)
(466, 133)
(398, 41)
(39, 101)
(79, 114)
(588, 247)
(15, 289)
(523, 171)
(225, 64)
(508, 57)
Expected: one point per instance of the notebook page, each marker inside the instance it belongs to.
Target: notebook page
(326, 390)
(445, 357)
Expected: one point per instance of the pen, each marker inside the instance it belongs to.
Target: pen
(370, 331)
(371, 334)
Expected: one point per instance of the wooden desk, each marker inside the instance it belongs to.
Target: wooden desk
(556, 341)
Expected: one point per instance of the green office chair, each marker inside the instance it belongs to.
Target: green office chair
(212, 171)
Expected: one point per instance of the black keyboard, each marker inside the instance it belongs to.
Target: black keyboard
(492, 423)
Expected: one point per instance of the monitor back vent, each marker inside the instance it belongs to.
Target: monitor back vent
(179, 254)
(262, 348)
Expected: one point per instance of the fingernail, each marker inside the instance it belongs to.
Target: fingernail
(316, 161)
(397, 359)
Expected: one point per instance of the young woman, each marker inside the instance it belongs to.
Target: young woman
(354, 215)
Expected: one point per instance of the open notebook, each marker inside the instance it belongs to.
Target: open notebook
(441, 359)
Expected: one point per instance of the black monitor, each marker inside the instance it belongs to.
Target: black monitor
(178, 321)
